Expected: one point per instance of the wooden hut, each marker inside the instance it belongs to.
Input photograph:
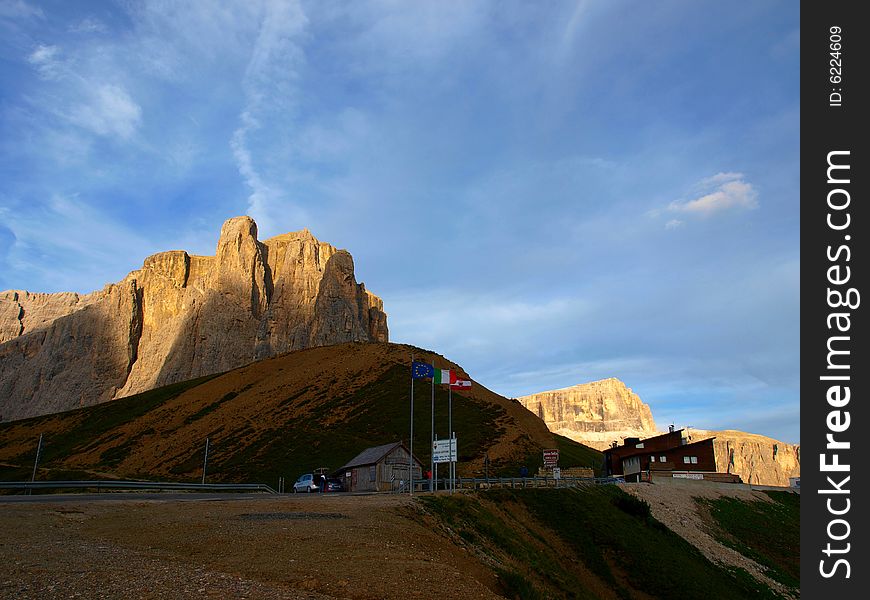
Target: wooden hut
(379, 469)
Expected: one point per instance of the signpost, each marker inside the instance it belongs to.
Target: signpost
(551, 457)
(444, 451)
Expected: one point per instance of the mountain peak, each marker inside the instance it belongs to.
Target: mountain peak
(181, 316)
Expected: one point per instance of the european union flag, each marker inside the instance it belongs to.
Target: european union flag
(420, 370)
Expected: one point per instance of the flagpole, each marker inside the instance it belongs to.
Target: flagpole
(432, 442)
(450, 429)
(411, 440)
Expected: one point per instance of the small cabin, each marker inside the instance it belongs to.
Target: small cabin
(379, 469)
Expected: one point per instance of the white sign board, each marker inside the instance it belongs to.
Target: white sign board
(444, 451)
(688, 476)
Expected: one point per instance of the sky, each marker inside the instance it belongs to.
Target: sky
(546, 193)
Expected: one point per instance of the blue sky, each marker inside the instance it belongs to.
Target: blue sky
(547, 194)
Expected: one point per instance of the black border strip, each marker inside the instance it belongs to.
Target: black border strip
(833, 261)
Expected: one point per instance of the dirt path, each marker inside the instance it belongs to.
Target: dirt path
(291, 547)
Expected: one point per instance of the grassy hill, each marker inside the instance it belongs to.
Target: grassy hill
(593, 543)
(282, 417)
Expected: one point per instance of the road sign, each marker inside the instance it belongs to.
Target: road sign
(444, 450)
(551, 458)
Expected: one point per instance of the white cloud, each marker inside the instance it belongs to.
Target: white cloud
(45, 60)
(724, 192)
(108, 111)
(674, 224)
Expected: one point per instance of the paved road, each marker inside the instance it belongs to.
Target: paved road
(157, 497)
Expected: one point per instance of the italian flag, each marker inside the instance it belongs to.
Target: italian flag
(444, 376)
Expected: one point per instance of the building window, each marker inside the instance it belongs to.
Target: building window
(694, 460)
(640, 445)
(372, 472)
(686, 460)
(663, 459)
(652, 458)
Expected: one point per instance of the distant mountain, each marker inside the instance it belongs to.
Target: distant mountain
(602, 412)
(599, 412)
(179, 317)
(283, 416)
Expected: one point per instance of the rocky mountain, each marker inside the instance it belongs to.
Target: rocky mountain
(602, 412)
(598, 412)
(179, 317)
(758, 459)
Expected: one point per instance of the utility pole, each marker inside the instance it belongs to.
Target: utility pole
(205, 461)
(36, 460)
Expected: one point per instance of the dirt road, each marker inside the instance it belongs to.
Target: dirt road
(247, 547)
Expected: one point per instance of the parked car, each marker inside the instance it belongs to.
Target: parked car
(306, 483)
(333, 485)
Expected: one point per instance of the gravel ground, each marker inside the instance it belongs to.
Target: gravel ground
(673, 504)
(290, 547)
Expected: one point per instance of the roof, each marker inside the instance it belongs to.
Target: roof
(370, 456)
(625, 451)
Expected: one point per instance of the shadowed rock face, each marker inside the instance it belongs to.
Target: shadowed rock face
(180, 317)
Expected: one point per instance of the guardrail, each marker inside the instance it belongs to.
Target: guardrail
(482, 483)
(479, 483)
(137, 485)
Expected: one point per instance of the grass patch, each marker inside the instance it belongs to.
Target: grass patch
(766, 532)
(522, 555)
(614, 544)
(91, 423)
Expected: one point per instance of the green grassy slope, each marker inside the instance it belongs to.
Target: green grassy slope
(766, 532)
(594, 543)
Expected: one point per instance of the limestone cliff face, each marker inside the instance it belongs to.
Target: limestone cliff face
(757, 459)
(179, 317)
(601, 407)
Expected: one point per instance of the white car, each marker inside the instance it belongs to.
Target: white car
(306, 483)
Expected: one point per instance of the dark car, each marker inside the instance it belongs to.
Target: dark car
(333, 485)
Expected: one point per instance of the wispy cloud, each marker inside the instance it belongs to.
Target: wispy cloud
(18, 9)
(723, 192)
(88, 25)
(104, 109)
(45, 60)
(108, 110)
(270, 90)
(81, 235)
